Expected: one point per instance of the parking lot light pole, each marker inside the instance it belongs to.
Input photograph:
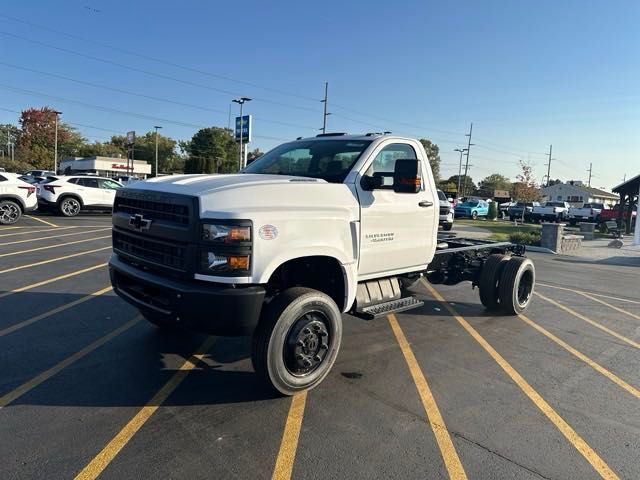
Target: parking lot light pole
(461, 150)
(240, 101)
(55, 145)
(157, 128)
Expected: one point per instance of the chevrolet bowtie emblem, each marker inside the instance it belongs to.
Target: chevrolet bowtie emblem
(138, 222)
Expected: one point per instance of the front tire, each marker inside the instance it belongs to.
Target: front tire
(297, 340)
(447, 226)
(474, 215)
(10, 212)
(516, 286)
(69, 207)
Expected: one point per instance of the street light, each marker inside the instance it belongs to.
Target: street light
(157, 128)
(461, 150)
(55, 147)
(240, 101)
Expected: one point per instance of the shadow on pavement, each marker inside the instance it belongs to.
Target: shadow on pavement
(620, 261)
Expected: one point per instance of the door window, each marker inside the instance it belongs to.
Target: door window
(109, 184)
(385, 161)
(88, 182)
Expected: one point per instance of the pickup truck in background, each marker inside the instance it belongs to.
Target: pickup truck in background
(550, 211)
(589, 212)
(521, 209)
(315, 228)
(613, 213)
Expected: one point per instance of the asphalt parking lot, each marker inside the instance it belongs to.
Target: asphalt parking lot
(88, 388)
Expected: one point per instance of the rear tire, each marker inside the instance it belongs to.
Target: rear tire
(297, 340)
(516, 286)
(69, 206)
(474, 215)
(10, 212)
(490, 280)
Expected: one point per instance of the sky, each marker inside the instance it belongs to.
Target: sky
(527, 74)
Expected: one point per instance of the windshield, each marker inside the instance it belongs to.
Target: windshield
(441, 195)
(470, 203)
(329, 160)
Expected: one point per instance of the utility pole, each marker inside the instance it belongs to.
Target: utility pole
(461, 150)
(325, 114)
(466, 167)
(157, 127)
(590, 170)
(55, 148)
(549, 165)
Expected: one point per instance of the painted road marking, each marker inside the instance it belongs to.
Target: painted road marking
(589, 321)
(440, 431)
(290, 435)
(53, 246)
(51, 260)
(569, 433)
(582, 292)
(41, 220)
(598, 368)
(618, 309)
(47, 374)
(59, 309)
(51, 280)
(111, 450)
(53, 236)
(36, 231)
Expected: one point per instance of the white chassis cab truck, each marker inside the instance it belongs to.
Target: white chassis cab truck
(314, 228)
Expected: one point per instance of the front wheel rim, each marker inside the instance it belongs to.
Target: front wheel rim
(307, 344)
(70, 207)
(10, 213)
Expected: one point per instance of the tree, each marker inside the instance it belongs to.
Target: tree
(470, 186)
(211, 150)
(433, 154)
(557, 181)
(493, 182)
(526, 189)
(37, 138)
(99, 149)
(251, 156)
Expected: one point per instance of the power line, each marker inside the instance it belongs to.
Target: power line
(158, 60)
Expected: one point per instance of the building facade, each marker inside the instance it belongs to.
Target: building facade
(105, 166)
(577, 194)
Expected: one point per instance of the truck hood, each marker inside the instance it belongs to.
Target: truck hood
(246, 195)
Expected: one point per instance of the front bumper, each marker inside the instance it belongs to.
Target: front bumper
(209, 308)
(446, 219)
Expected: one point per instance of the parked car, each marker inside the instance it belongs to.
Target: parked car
(520, 209)
(589, 212)
(39, 173)
(16, 197)
(68, 195)
(503, 209)
(472, 209)
(550, 211)
(446, 211)
(613, 213)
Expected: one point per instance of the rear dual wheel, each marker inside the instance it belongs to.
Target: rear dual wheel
(507, 283)
(297, 340)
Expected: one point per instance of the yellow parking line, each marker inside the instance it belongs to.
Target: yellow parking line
(582, 292)
(53, 236)
(598, 368)
(449, 454)
(36, 231)
(51, 260)
(41, 220)
(289, 443)
(569, 433)
(111, 450)
(51, 280)
(59, 309)
(37, 380)
(589, 321)
(53, 246)
(618, 309)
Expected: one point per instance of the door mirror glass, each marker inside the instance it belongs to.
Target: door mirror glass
(406, 176)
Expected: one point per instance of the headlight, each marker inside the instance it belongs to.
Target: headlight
(212, 232)
(225, 263)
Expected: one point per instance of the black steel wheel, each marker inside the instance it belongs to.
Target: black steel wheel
(447, 226)
(516, 286)
(70, 206)
(297, 340)
(10, 212)
(490, 279)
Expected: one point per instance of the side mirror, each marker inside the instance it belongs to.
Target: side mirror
(371, 183)
(406, 176)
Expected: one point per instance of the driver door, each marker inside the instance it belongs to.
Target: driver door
(396, 229)
(108, 191)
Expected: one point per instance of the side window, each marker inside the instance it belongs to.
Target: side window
(2, 179)
(109, 184)
(385, 161)
(88, 182)
(74, 181)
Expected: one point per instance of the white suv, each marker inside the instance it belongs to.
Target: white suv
(16, 198)
(70, 194)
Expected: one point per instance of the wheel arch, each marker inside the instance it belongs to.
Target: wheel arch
(67, 195)
(15, 199)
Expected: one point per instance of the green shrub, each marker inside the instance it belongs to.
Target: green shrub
(493, 211)
(525, 238)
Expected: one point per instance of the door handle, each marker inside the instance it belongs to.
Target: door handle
(426, 203)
